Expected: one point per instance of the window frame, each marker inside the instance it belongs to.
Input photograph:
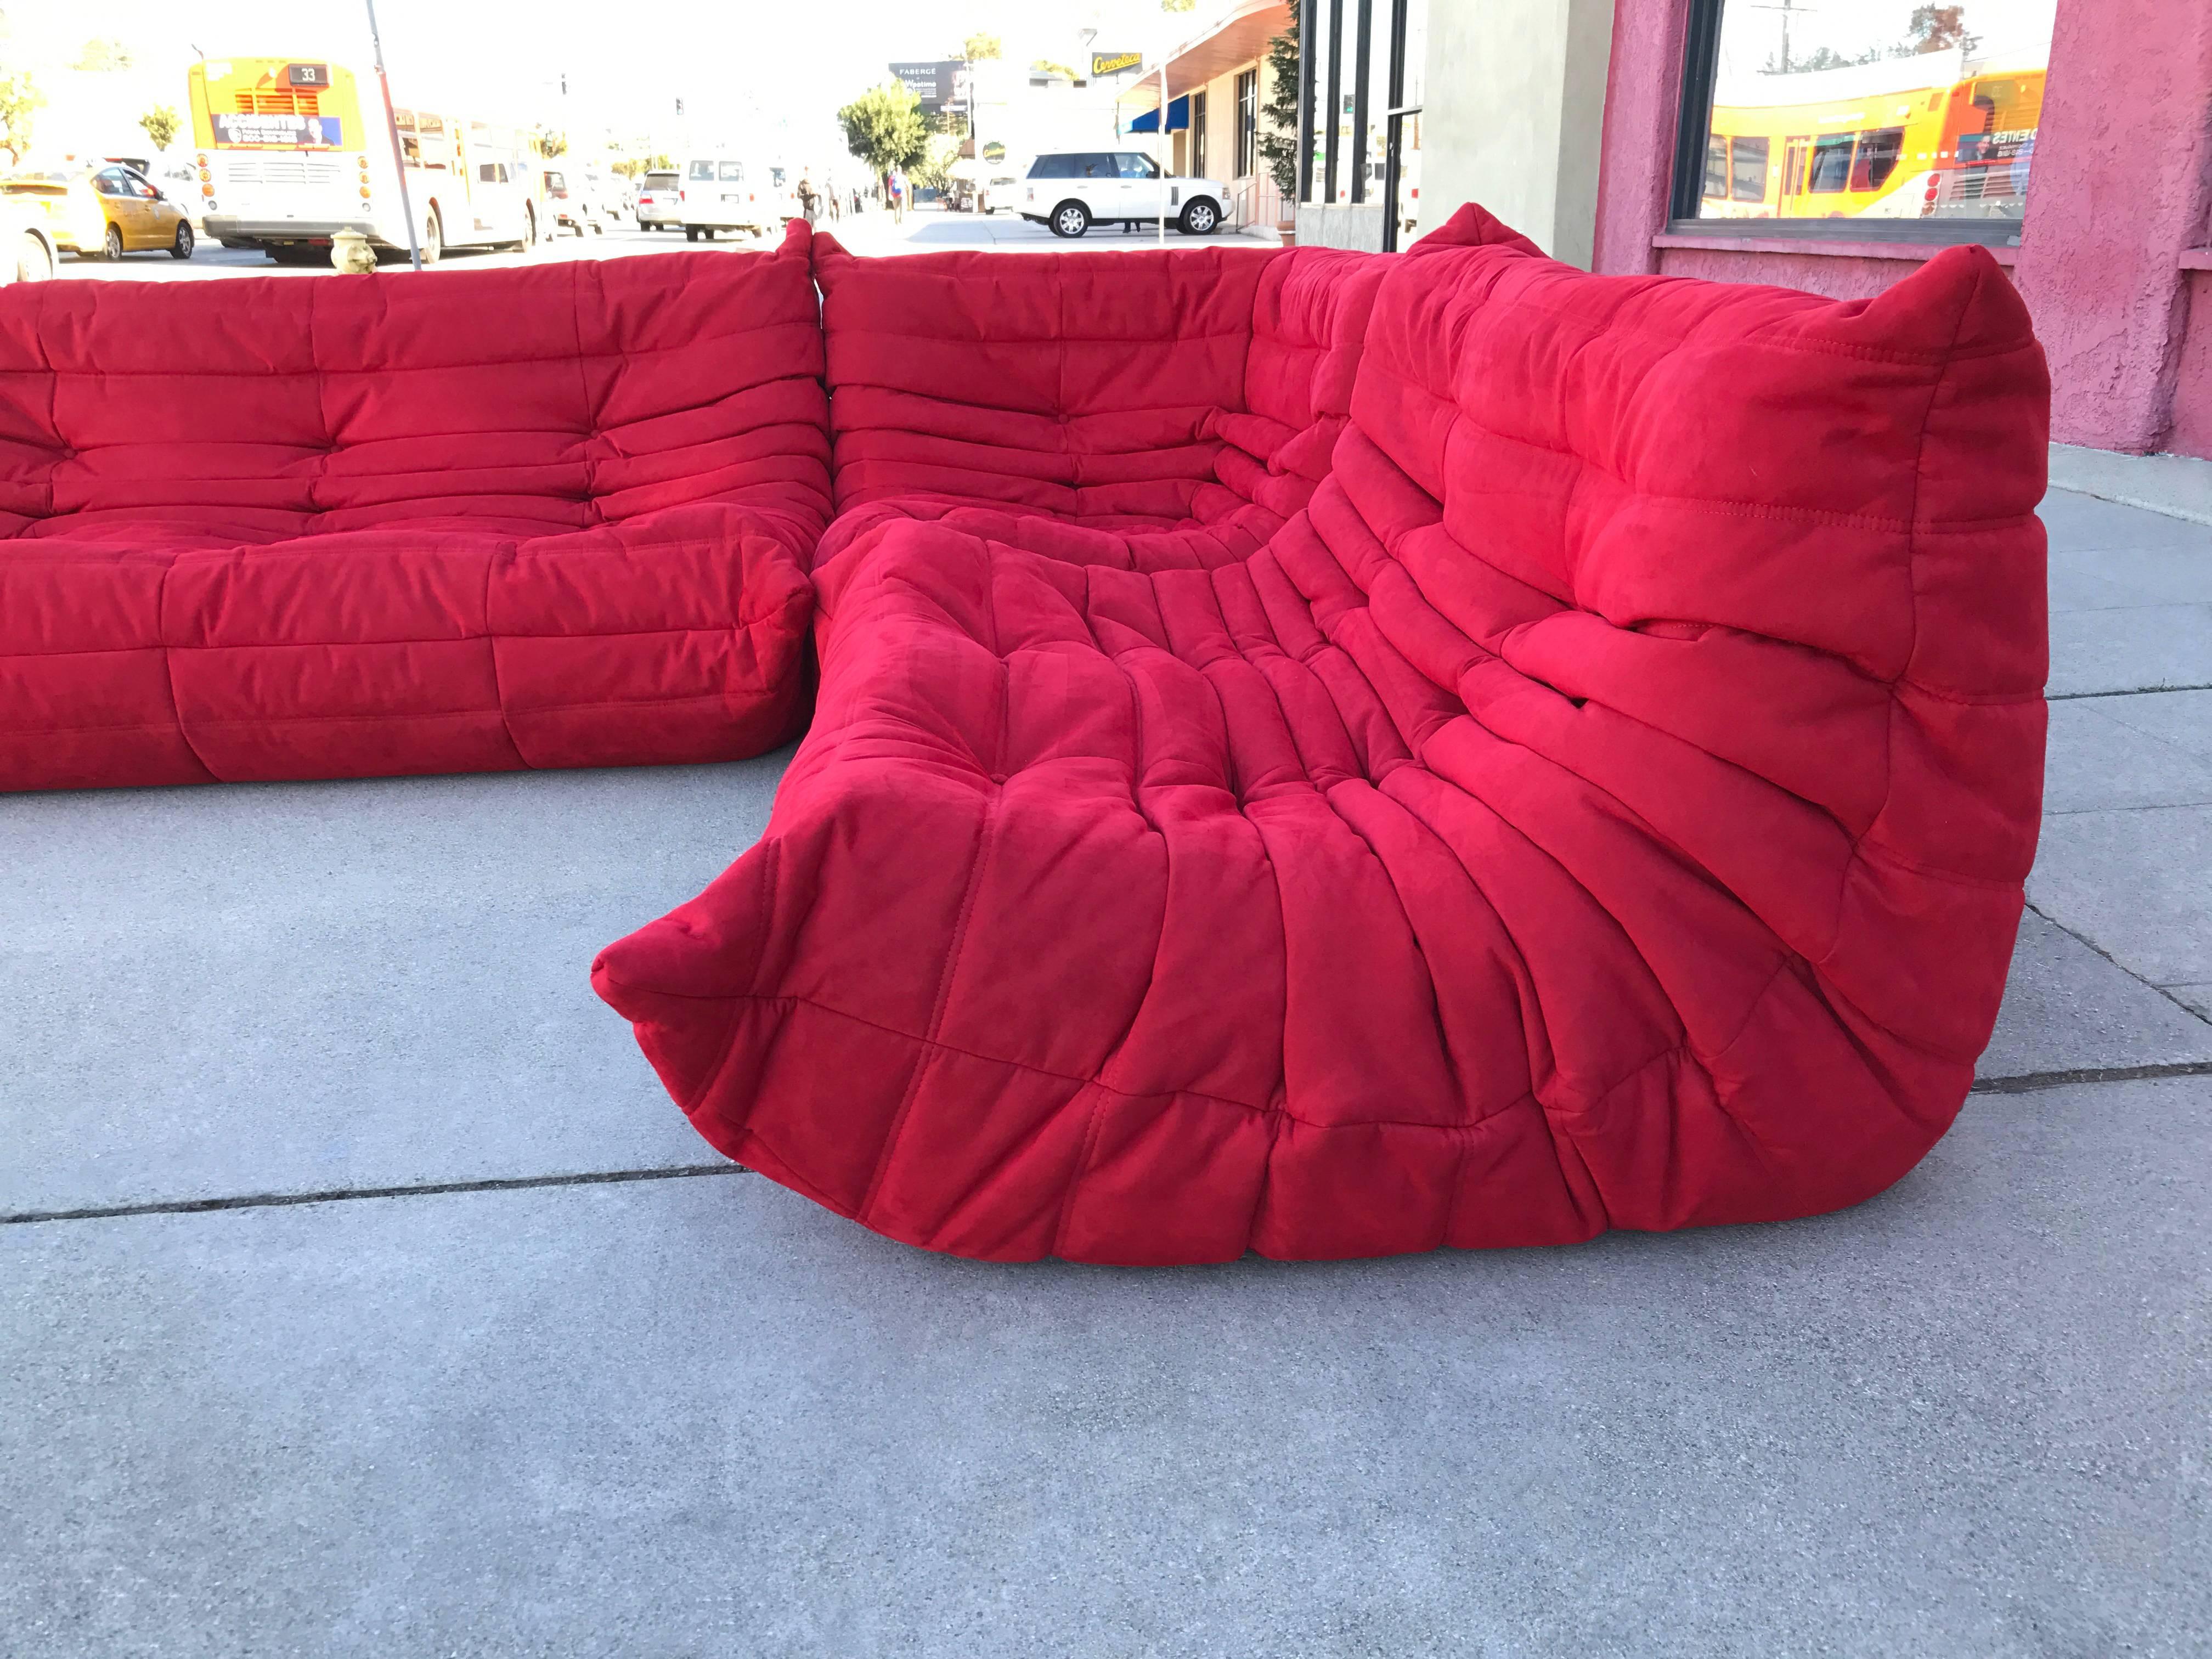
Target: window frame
(1701, 55)
(1247, 123)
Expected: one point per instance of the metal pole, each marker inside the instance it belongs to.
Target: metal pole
(1362, 72)
(1394, 127)
(1167, 146)
(391, 126)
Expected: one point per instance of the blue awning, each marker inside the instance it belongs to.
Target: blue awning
(1178, 118)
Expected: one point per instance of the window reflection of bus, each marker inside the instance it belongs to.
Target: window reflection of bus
(288, 154)
(1925, 136)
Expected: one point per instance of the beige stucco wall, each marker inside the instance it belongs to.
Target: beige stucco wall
(1514, 109)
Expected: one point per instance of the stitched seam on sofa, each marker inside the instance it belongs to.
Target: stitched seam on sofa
(1527, 975)
(169, 672)
(1721, 507)
(1277, 1109)
(1085, 1151)
(1882, 852)
(477, 711)
(791, 602)
(1912, 644)
(504, 552)
(929, 1044)
(1627, 937)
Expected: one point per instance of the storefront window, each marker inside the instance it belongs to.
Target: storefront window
(1886, 113)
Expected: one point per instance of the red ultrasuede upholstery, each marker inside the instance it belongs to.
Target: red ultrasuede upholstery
(1605, 804)
(469, 521)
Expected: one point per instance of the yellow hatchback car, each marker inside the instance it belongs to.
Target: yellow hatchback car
(104, 210)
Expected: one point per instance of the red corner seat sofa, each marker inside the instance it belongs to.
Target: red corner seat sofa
(1333, 754)
(300, 529)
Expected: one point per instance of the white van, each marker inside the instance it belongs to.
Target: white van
(720, 193)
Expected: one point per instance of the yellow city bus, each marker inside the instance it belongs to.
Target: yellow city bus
(1927, 136)
(292, 151)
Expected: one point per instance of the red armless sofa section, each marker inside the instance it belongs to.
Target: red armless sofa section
(1333, 755)
(288, 528)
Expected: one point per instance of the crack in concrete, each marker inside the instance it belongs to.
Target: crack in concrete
(2135, 691)
(344, 1195)
(2030, 1082)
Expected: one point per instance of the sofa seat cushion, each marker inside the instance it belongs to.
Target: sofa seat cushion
(467, 520)
(1605, 805)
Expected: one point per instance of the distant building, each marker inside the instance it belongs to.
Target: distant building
(1218, 82)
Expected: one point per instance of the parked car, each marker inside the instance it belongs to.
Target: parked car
(568, 206)
(619, 204)
(103, 210)
(720, 192)
(28, 254)
(657, 202)
(1073, 190)
(1002, 192)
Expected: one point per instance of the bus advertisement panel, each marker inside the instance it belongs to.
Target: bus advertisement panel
(290, 152)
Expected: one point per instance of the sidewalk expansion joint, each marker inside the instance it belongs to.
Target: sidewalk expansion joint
(2080, 938)
(2030, 1082)
(342, 1194)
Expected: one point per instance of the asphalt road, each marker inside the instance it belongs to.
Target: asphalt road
(925, 230)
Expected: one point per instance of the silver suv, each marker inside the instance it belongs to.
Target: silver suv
(1073, 190)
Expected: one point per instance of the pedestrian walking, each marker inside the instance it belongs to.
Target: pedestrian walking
(895, 187)
(809, 198)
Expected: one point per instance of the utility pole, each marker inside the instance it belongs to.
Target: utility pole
(1789, 10)
(398, 155)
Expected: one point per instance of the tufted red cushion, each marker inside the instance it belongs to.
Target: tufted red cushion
(469, 521)
(1605, 804)
(1144, 409)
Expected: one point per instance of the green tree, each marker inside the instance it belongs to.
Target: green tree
(102, 56)
(549, 143)
(934, 170)
(980, 48)
(1278, 126)
(161, 123)
(885, 128)
(1046, 66)
(1937, 29)
(20, 100)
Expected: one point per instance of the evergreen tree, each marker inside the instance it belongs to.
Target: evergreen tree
(1279, 129)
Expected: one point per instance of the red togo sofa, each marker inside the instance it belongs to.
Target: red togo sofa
(1318, 753)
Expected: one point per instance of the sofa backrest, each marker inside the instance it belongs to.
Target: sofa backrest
(1641, 526)
(545, 398)
(1078, 383)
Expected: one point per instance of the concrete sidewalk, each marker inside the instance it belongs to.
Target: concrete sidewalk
(400, 1312)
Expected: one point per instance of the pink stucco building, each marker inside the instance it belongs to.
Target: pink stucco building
(1822, 144)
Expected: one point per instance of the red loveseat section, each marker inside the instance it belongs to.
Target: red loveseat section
(1604, 802)
(346, 528)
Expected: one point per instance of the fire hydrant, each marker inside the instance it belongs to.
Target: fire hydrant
(350, 253)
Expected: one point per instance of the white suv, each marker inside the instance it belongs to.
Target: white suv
(1074, 190)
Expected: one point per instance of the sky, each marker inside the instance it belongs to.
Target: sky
(782, 67)
(1752, 29)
